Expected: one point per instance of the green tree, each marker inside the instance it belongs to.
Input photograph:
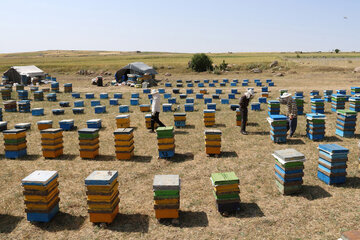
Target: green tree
(337, 50)
(200, 62)
(223, 66)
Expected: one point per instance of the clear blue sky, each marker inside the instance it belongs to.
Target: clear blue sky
(180, 26)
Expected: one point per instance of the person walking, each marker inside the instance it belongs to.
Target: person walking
(244, 103)
(155, 110)
(291, 113)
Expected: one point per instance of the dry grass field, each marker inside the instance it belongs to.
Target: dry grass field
(318, 212)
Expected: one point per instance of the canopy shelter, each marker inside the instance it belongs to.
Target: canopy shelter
(139, 68)
(23, 74)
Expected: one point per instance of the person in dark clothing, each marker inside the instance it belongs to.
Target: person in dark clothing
(291, 113)
(244, 103)
(155, 110)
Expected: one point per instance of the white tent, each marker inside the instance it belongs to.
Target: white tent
(15, 73)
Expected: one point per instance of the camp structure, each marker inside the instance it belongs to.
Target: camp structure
(136, 68)
(23, 74)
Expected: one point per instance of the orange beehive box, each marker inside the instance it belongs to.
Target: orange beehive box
(89, 154)
(53, 154)
(212, 150)
(104, 217)
(166, 213)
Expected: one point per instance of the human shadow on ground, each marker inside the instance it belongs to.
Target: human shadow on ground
(259, 133)
(8, 223)
(228, 154)
(182, 157)
(62, 221)
(313, 192)
(294, 141)
(180, 132)
(130, 223)
(252, 124)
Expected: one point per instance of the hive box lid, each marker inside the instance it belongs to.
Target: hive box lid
(179, 114)
(93, 121)
(88, 130)
(40, 177)
(67, 121)
(124, 131)
(14, 131)
(122, 116)
(311, 116)
(332, 148)
(161, 129)
(44, 122)
(289, 155)
(167, 182)
(212, 132)
(224, 178)
(209, 111)
(101, 178)
(278, 117)
(51, 130)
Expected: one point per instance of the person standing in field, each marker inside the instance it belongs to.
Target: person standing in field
(244, 103)
(291, 113)
(155, 110)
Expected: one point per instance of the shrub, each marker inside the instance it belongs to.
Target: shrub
(200, 62)
(223, 66)
(337, 50)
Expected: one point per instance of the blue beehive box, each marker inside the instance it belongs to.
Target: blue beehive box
(199, 96)
(225, 80)
(222, 84)
(134, 101)
(161, 90)
(67, 124)
(264, 89)
(172, 100)
(167, 107)
(246, 80)
(234, 91)
(244, 84)
(37, 112)
(123, 108)
(75, 95)
(233, 84)
(271, 84)
(95, 103)
(211, 106)
(149, 96)
(179, 81)
(176, 90)
(317, 106)
(179, 85)
(190, 85)
(118, 95)
(51, 97)
(146, 90)
(114, 102)
(278, 128)
(206, 80)
(104, 96)
(207, 100)
(201, 85)
(167, 95)
(225, 101)
(94, 123)
(315, 126)
(262, 99)
(233, 107)
(211, 84)
(258, 84)
(168, 84)
(183, 96)
(189, 100)
(215, 96)
(255, 106)
(189, 91)
(100, 109)
(79, 103)
(89, 96)
(231, 96)
(189, 107)
(341, 91)
(135, 95)
(58, 111)
(22, 94)
(332, 163)
(218, 91)
(64, 104)
(78, 110)
(268, 80)
(236, 80)
(215, 81)
(346, 123)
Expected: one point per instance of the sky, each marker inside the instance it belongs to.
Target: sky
(180, 26)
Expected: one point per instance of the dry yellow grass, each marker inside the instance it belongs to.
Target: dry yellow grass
(319, 212)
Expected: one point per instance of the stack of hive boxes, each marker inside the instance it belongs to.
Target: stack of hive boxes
(180, 119)
(94, 123)
(238, 117)
(166, 196)
(355, 103)
(52, 142)
(1, 114)
(346, 123)
(55, 87)
(327, 95)
(317, 105)
(226, 191)
(273, 107)
(89, 142)
(67, 124)
(299, 99)
(209, 117)
(124, 143)
(24, 106)
(314, 94)
(315, 126)
(166, 141)
(15, 143)
(212, 141)
(41, 195)
(332, 163)
(148, 121)
(44, 124)
(6, 93)
(123, 121)
(278, 128)
(23, 94)
(289, 170)
(145, 108)
(355, 90)
(10, 106)
(102, 196)
(67, 87)
(337, 102)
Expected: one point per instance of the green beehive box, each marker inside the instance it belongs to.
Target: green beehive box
(165, 132)
(224, 178)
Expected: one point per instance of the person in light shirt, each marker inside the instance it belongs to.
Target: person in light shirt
(155, 110)
(287, 100)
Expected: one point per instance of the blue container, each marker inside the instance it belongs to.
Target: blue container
(225, 80)
(51, 97)
(15, 154)
(168, 85)
(89, 96)
(190, 85)
(176, 90)
(161, 90)
(225, 101)
(271, 84)
(23, 94)
(37, 111)
(201, 85)
(94, 123)
(53, 79)
(206, 80)
(258, 84)
(95, 103)
(189, 100)
(189, 107)
(43, 217)
(166, 154)
(172, 100)
(100, 109)
(114, 102)
(207, 100)
(78, 110)
(199, 96)
(135, 95)
(67, 125)
(104, 96)
(123, 108)
(183, 96)
(244, 84)
(167, 95)
(215, 81)
(264, 89)
(231, 96)
(234, 91)
(215, 96)
(64, 104)
(189, 91)
(75, 95)
(149, 96)
(218, 91)
(146, 90)
(179, 85)
(234, 106)
(262, 99)
(255, 106)
(58, 111)
(233, 84)
(211, 106)
(134, 101)
(79, 104)
(211, 84)
(235, 80)
(222, 84)
(118, 95)
(167, 107)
